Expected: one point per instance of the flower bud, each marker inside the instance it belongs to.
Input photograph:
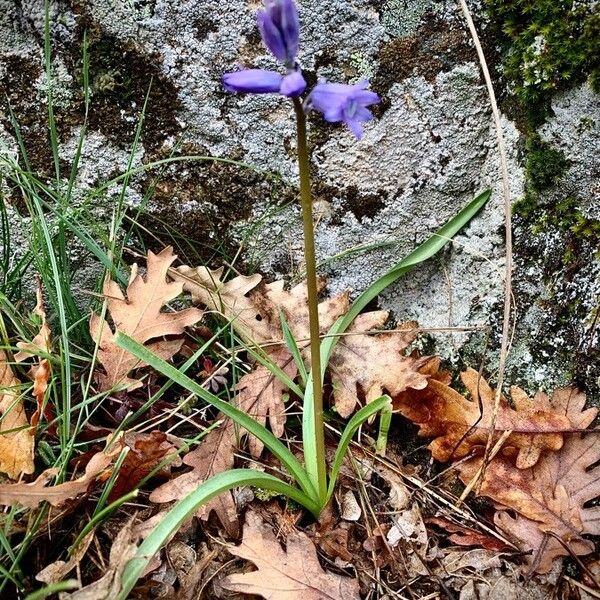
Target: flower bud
(279, 27)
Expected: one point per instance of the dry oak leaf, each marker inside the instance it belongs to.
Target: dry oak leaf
(108, 587)
(146, 452)
(253, 308)
(260, 394)
(16, 440)
(369, 364)
(214, 455)
(291, 574)
(31, 495)
(549, 498)
(458, 425)
(139, 316)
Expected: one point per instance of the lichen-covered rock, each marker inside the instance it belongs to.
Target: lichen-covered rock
(431, 149)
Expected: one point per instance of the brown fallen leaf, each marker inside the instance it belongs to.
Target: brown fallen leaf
(368, 365)
(467, 536)
(41, 371)
(214, 455)
(16, 440)
(139, 316)
(108, 587)
(31, 495)
(550, 499)
(259, 394)
(291, 574)
(459, 426)
(146, 452)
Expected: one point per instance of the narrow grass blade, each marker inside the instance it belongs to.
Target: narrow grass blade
(365, 413)
(276, 370)
(290, 462)
(292, 346)
(189, 504)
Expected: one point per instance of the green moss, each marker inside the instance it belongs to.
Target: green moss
(545, 165)
(549, 45)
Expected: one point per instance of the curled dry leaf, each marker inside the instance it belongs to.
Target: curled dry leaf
(41, 371)
(460, 425)
(350, 509)
(139, 316)
(550, 498)
(146, 452)
(332, 536)
(291, 574)
(16, 439)
(31, 495)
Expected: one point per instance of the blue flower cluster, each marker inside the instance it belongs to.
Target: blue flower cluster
(279, 27)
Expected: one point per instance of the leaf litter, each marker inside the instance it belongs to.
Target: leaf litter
(389, 530)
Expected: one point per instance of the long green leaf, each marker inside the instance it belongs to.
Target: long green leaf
(311, 453)
(420, 254)
(365, 413)
(189, 504)
(290, 462)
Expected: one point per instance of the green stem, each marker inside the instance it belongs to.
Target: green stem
(313, 302)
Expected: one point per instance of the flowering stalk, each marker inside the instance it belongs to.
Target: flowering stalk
(279, 27)
(312, 294)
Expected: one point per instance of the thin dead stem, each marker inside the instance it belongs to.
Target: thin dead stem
(506, 325)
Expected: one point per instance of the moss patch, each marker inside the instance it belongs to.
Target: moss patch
(548, 45)
(545, 165)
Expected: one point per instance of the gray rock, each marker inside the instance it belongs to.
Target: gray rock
(431, 149)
